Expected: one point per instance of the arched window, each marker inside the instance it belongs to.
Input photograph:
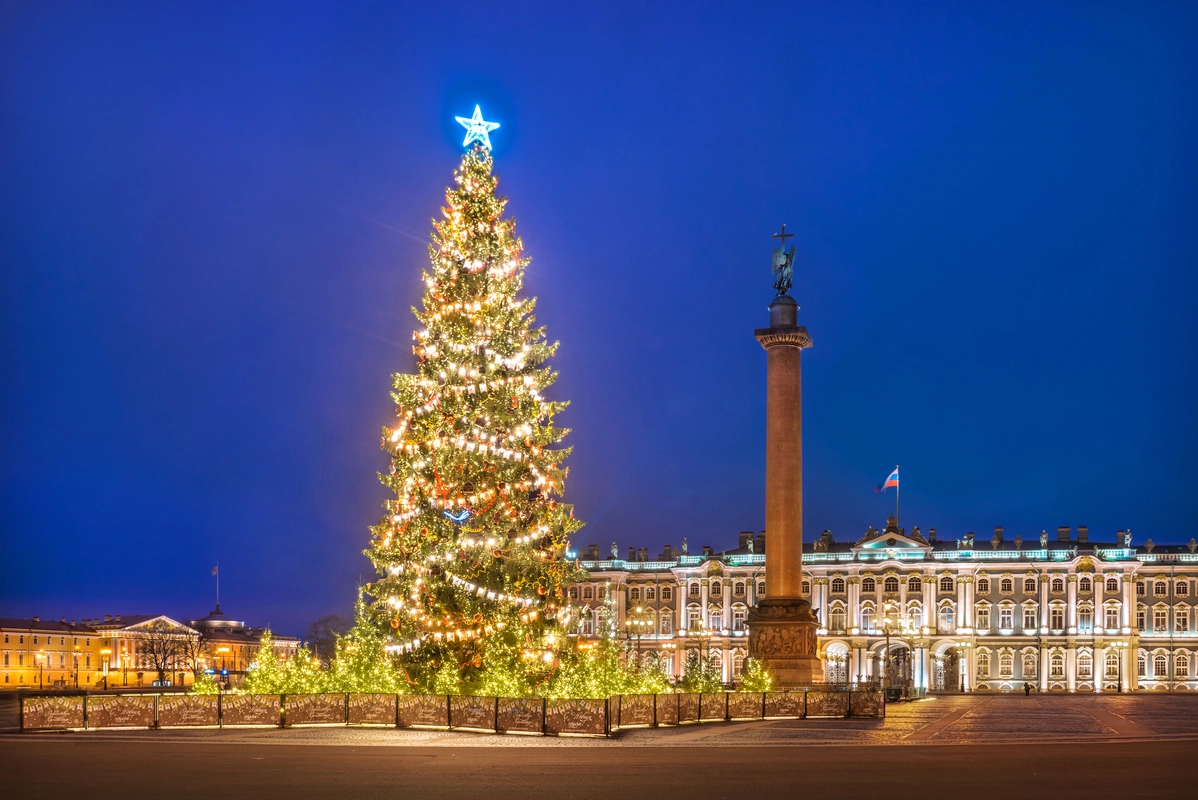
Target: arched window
(1029, 665)
(1084, 584)
(806, 588)
(1160, 619)
(947, 618)
(738, 589)
(1056, 618)
(1141, 665)
(634, 593)
(667, 593)
(573, 592)
(1160, 589)
(1181, 665)
(1141, 588)
(738, 663)
(694, 617)
(739, 613)
(761, 589)
(867, 616)
(1006, 617)
(1006, 586)
(717, 588)
(838, 586)
(983, 617)
(1085, 665)
(1181, 619)
(1029, 616)
(1057, 666)
(1085, 619)
(946, 583)
(693, 590)
(868, 585)
(650, 593)
(1112, 665)
(890, 584)
(1160, 666)
(1058, 586)
(983, 665)
(667, 623)
(601, 592)
(1006, 665)
(1029, 585)
(588, 593)
(836, 618)
(586, 622)
(1112, 584)
(1111, 617)
(1182, 589)
(983, 586)
(715, 618)
(914, 584)
(1141, 618)
(915, 612)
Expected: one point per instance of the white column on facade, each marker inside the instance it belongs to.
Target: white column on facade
(854, 589)
(681, 622)
(1042, 667)
(1099, 611)
(929, 600)
(1043, 602)
(703, 590)
(960, 615)
(727, 608)
(1129, 600)
(1099, 667)
(1071, 669)
(967, 607)
(1071, 609)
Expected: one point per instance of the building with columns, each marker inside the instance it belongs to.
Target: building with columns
(1060, 613)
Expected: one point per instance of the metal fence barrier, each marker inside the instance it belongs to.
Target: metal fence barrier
(546, 716)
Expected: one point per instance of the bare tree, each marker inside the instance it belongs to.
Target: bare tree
(161, 645)
(323, 633)
(195, 652)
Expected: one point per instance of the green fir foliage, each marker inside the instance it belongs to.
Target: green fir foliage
(754, 677)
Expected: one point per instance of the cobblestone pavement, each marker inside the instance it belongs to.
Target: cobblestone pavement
(941, 720)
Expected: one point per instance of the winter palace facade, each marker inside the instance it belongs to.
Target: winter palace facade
(1066, 615)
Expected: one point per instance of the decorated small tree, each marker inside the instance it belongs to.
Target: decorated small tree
(471, 553)
(755, 677)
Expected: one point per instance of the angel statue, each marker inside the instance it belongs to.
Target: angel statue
(784, 268)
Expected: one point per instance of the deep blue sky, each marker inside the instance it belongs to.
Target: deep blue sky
(212, 223)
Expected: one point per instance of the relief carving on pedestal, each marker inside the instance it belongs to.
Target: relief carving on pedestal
(782, 640)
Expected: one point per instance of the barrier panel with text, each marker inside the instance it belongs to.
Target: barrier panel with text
(188, 710)
(576, 716)
(251, 709)
(372, 709)
(121, 711)
(51, 713)
(315, 709)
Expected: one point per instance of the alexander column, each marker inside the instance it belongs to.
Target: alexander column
(782, 625)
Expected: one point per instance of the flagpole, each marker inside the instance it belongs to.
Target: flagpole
(218, 584)
(896, 496)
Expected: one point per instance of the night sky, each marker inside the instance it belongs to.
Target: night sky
(213, 220)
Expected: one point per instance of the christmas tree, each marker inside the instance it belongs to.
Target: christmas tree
(472, 552)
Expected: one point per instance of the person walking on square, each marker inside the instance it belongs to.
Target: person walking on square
(1027, 689)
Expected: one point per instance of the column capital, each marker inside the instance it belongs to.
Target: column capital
(783, 336)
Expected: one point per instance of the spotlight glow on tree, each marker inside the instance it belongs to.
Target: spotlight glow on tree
(472, 551)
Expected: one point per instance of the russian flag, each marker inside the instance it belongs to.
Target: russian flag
(891, 481)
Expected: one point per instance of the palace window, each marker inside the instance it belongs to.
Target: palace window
(1006, 618)
(836, 619)
(650, 593)
(1141, 589)
(1029, 665)
(806, 590)
(738, 589)
(738, 618)
(1181, 619)
(983, 614)
(867, 617)
(1160, 589)
(1112, 665)
(1029, 616)
(717, 588)
(738, 663)
(1058, 586)
(1085, 619)
(1141, 615)
(761, 589)
(890, 584)
(915, 612)
(1029, 585)
(1085, 665)
(1056, 667)
(838, 586)
(983, 665)
(634, 593)
(693, 591)
(1182, 589)
(1141, 666)
(869, 585)
(1160, 620)
(947, 619)
(1181, 666)
(1057, 618)
(1112, 617)
(983, 586)
(588, 593)
(914, 584)
(715, 619)
(1160, 666)
(1084, 584)
(586, 623)
(1006, 665)
(667, 593)
(946, 583)
(694, 617)
(573, 592)
(667, 623)
(1112, 584)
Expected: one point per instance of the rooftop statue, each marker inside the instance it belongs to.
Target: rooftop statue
(784, 259)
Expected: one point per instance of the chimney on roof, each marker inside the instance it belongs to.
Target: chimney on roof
(632, 554)
(116, 618)
(707, 550)
(997, 539)
(37, 619)
(108, 617)
(759, 543)
(667, 552)
(1063, 532)
(593, 552)
(931, 535)
(1083, 534)
(63, 620)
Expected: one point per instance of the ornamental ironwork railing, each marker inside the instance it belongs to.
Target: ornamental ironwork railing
(43, 711)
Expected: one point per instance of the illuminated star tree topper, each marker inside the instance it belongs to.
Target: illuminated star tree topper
(477, 129)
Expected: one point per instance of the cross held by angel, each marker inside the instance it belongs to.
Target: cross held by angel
(784, 258)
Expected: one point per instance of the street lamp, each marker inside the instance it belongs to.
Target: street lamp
(889, 623)
(41, 664)
(105, 652)
(125, 664)
(76, 656)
